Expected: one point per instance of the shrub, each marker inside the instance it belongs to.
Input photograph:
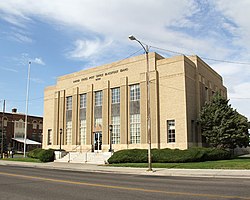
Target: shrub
(216, 154)
(34, 153)
(46, 155)
(169, 155)
(129, 156)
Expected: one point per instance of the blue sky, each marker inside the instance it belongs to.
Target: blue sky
(62, 36)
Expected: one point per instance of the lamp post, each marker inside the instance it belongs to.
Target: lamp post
(110, 138)
(60, 139)
(2, 143)
(26, 112)
(131, 37)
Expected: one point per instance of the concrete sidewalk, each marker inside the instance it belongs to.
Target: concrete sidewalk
(216, 173)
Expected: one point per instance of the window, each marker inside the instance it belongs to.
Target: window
(68, 132)
(115, 95)
(98, 122)
(40, 125)
(98, 98)
(171, 130)
(34, 125)
(135, 92)
(49, 136)
(83, 130)
(206, 94)
(83, 101)
(116, 130)
(135, 128)
(5, 121)
(69, 103)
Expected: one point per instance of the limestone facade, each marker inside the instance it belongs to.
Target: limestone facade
(80, 108)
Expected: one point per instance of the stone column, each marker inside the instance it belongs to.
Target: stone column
(75, 119)
(89, 115)
(154, 109)
(55, 131)
(62, 114)
(124, 111)
(105, 116)
(143, 108)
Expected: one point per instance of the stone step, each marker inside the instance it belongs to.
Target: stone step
(86, 157)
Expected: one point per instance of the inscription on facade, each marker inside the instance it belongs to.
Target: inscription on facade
(100, 76)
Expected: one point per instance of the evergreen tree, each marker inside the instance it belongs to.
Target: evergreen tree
(222, 126)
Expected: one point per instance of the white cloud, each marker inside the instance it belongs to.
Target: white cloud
(37, 80)
(21, 38)
(217, 29)
(86, 48)
(238, 13)
(38, 61)
(241, 90)
(25, 58)
(9, 69)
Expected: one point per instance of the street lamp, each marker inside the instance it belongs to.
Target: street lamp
(60, 143)
(131, 37)
(110, 138)
(26, 112)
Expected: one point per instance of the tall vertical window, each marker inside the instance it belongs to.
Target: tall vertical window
(83, 130)
(115, 115)
(83, 101)
(98, 110)
(83, 123)
(68, 120)
(98, 122)
(171, 130)
(135, 116)
(135, 92)
(116, 130)
(69, 103)
(135, 129)
(49, 136)
(115, 95)
(98, 98)
(68, 132)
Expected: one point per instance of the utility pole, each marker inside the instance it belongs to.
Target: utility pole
(2, 143)
(26, 113)
(145, 47)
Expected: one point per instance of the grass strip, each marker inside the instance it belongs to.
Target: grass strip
(239, 163)
(23, 159)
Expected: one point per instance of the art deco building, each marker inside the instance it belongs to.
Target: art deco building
(79, 109)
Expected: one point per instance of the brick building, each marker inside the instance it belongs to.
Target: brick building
(14, 130)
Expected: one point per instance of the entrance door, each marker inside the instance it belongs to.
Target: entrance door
(98, 141)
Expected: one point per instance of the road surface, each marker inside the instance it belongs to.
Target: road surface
(23, 183)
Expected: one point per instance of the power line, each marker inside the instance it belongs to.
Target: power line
(116, 63)
(205, 58)
(100, 70)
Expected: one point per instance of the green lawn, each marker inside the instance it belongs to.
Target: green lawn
(21, 159)
(239, 163)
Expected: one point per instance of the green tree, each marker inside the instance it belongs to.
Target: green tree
(222, 126)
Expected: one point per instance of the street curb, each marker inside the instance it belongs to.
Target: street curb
(212, 173)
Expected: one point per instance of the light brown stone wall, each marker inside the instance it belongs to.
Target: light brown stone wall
(176, 93)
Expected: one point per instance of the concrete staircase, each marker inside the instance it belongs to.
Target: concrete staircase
(85, 157)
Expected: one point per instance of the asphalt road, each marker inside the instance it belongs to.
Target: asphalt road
(22, 183)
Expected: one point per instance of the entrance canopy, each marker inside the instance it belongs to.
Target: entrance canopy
(28, 141)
